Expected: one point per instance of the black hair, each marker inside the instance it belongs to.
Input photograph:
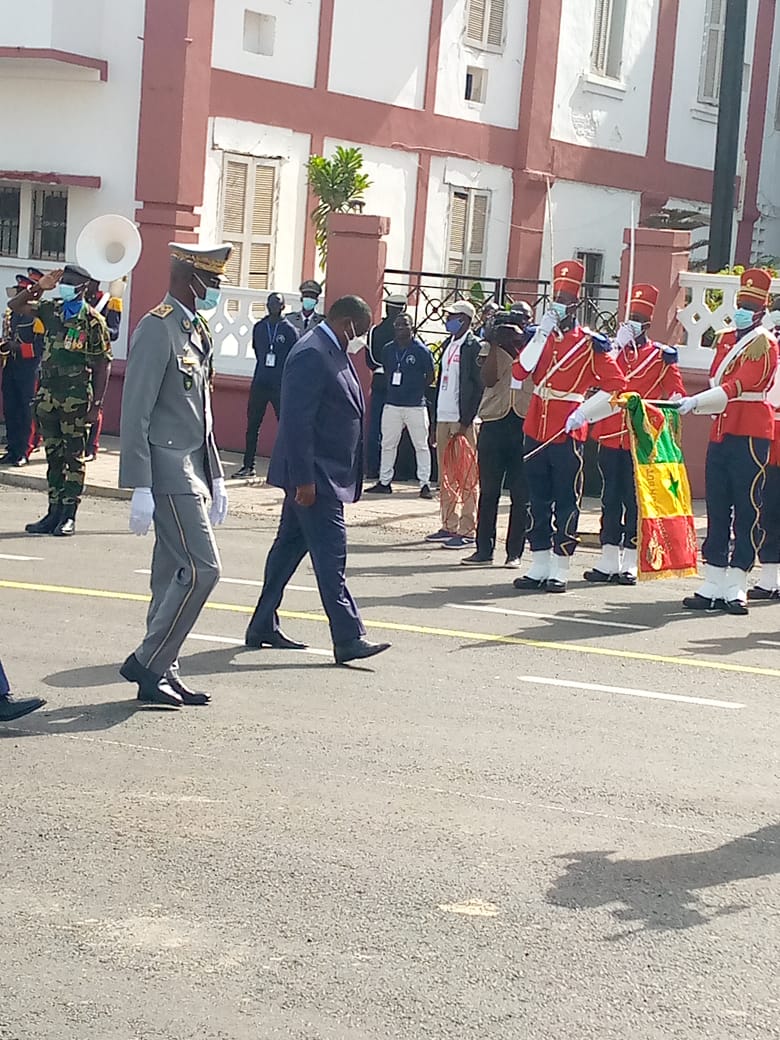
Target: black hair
(352, 307)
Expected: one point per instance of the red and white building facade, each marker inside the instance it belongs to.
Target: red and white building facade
(196, 118)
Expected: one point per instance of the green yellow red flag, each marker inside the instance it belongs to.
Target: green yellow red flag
(666, 535)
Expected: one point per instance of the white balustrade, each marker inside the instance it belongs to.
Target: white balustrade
(697, 316)
(232, 323)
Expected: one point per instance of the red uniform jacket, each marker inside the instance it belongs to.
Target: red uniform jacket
(554, 399)
(751, 372)
(651, 371)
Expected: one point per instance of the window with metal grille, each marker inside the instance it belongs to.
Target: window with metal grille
(485, 24)
(49, 224)
(608, 33)
(712, 52)
(249, 189)
(468, 232)
(10, 205)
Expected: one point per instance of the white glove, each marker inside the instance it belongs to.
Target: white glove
(141, 510)
(219, 503)
(624, 336)
(549, 323)
(576, 420)
(685, 405)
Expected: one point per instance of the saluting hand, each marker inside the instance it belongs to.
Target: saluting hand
(305, 495)
(50, 280)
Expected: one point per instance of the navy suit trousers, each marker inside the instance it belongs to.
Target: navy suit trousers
(618, 498)
(19, 379)
(319, 531)
(555, 488)
(770, 517)
(734, 479)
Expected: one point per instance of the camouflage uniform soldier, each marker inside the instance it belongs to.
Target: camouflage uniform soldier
(74, 376)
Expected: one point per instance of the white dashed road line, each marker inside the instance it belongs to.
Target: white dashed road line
(627, 691)
(252, 584)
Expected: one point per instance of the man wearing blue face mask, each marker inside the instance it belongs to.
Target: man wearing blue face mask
(74, 376)
(169, 457)
(308, 317)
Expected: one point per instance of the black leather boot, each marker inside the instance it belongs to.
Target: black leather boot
(47, 523)
(67, 522)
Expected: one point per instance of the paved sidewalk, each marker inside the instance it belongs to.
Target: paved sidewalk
(403, 512)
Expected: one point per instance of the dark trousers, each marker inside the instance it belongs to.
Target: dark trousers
(319, 531)
(19, 380)
(770, 517)
(5, 686)
(618, 498)
(374, 439)
(260, 397)
(500, 455)
(734, 481)
(555, 487)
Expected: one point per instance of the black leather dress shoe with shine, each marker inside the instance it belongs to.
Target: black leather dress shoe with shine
(357, 650)
(274, 640)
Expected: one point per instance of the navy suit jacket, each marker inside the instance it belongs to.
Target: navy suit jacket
(320, 437)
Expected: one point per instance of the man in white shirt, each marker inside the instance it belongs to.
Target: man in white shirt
(459, 392)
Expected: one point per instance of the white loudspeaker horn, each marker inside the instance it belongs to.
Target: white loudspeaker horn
(109, 247)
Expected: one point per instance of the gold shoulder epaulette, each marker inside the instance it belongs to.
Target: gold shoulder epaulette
(162, 310)
(758, 348)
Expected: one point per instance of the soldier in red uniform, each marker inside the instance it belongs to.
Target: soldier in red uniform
(767, 584)
(743, 426)
(651, 371)
(564, 361)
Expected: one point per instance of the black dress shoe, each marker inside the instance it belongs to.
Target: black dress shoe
(190, 698)
(357, 650)
(425, 492)
(737, 606)
(526, 584)
(11, 709)
(554, 585)
(7, 459)
(153, 690)
(626, 578)
(703, 603)
(598, 577)
(274, 640)
(379, 489)
(757, 593)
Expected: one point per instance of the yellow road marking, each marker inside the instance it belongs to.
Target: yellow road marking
(423, 630)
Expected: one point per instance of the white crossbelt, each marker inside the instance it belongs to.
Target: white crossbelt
(548, 394)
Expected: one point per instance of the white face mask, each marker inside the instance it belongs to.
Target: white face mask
(356, 343)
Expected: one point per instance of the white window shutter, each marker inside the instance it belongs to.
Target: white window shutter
(248, 219)
(475, 29)
(601, 34)
(712, 54)
(495, 28)
(234, 202)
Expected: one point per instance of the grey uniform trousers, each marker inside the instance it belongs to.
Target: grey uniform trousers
(185, 569)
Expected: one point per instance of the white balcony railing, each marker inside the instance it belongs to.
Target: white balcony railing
(698, 316)
(232, 324)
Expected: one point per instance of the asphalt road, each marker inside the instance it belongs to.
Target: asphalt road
(536, 817)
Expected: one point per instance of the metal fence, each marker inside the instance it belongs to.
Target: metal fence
(429, 293)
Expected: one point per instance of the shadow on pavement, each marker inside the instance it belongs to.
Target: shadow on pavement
(80, 718)
(662, 894)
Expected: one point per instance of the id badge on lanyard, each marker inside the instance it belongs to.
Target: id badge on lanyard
(270, 360)
(396, 378)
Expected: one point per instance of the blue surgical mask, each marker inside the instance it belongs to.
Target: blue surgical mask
(560, 310)
(210, 301)
(308, 304)
(67, 292)
(637, 328)
(453, 326)
(743, 318)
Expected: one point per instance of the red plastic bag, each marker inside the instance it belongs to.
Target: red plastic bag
(460, 472)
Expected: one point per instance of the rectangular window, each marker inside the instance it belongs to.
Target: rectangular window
(259, 33)
(608, 33)
(712, 53)
(248, 219)
(476, 85)
(485, 24)
(468, 232)
(594, 267)
(10, 206)
(49, 224)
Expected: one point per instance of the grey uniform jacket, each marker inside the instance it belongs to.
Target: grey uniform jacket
(166, 434)
(298, 320)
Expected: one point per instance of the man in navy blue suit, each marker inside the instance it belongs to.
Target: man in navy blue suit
(318, 461)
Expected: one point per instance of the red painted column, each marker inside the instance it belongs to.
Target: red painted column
(172, 137)
(357, 258)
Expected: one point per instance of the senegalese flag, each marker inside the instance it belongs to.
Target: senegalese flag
(666, 542)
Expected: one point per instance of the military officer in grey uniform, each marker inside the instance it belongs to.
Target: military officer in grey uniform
(308, 317)
(169, 458)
